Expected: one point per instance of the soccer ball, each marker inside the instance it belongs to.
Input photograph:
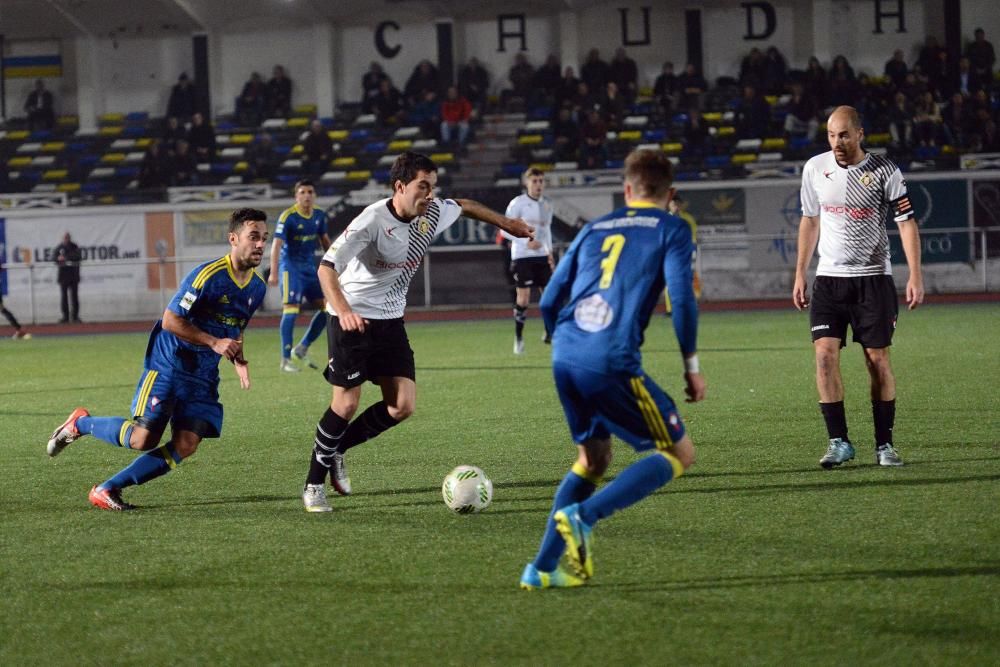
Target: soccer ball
(466, 490)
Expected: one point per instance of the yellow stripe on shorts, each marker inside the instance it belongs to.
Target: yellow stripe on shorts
(147, 386)
(651, 414)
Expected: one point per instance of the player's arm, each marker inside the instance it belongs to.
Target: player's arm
(678, 276)
(513, 226)
(808, 238)
(347, 246)
(186, 331)
(276, 244)
(910, 236)
(324, 241)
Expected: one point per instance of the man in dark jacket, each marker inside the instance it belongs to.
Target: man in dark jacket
(39, 107)
(68, 259)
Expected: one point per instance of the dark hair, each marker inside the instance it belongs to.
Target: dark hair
(305, 182)
(241, 216)
(650, 172)
(407, 165)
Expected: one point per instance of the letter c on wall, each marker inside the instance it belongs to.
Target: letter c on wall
(384, 49)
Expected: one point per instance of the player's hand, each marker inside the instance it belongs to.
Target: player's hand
(243, 372)
(914, 293)
(227, 347)
(552, 263)
(351, 321)
(800, 293)
(695, 388)
(272, 278)
(519, 228)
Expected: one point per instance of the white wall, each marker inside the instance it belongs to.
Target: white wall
(356, 46)
(137, 74)
(243, 53)
(480, 39)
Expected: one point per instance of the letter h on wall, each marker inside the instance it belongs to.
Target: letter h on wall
(880, 14)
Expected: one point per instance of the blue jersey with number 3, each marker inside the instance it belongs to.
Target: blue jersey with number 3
(603, 293)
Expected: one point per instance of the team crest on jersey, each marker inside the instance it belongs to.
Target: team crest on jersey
(866, 178)
(423, 225)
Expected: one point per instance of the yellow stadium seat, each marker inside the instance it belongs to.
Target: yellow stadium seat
(400, 145)
(337, 135)
(726, 131)
(544, 166)
(359, 175)
(53, 146)
(773, 143)
(111, 118)
(19, 161)
(68, 187)
(17, 135)
(442, 158)
(297, 149)
(348, 161)
(743, 158)
(55, 174)
(527, 139)
(305, 110)
(712, 117)
(298, 122)
(68, 121)
(672, 147)
(241, 167)
(629, 135)
(143, 142)
(111, 131)
(113, 158)
(241, 138)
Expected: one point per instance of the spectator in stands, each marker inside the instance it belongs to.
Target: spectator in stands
(665, 88)
(927, 120)
(625, 74)
(816, 84)
(201, 137)
(595, 72)
(843, 84)
(250, 104)
(583, 101)
(317, 149)
(901, 121)
(593, 149)
(567, 87)
(68, 258)
(182, 101)
(965, 80)
(939, 75)
(474, 83)
(695, 132)
(929, 55)
(981, 56)
(172, 133)
(370, 84)
(424, 80)
(426, 114)
(913, 86)
(692, 86)
(987, 137)
(262, 159)
(387, 105)
(752, 69)
(456, 111)
(803, 115)
(565, 135)
(775, 71)
(958, 122)
(521, 74)
(895, 68)
(40, 108)
(155, 170)
(613, 104)
(546, 82)
(753, 115)
(184, 169)
(279, 94)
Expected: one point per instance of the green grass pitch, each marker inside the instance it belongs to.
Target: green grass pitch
(756, 557)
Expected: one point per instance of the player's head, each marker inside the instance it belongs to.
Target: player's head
(305, 194)
(676, 204)
(649, 176)
(845, 134)
(533, 179)
(413, 177)
(247, 235)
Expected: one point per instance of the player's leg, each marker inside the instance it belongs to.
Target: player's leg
(18, 330)
(154, 463)
(325, 455)
(312, 293)
(828, 319)
(291, 297)
(874, 323)
(522, 298)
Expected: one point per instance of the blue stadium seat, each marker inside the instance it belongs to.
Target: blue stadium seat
(378, 147)
(717, 161)
(40, 135)
(359, 134)
(656, 134)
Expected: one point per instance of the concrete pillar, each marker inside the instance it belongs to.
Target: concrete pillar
(569, 42)
(89, 93)
(323, 42)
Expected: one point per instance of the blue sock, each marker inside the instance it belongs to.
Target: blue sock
(633, 484)
(114, 430)
(149, 466)
(316, 327)
(287, 331)
(575, 487)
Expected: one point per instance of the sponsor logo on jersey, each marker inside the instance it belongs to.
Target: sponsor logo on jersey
(827, 174)
(819, 327)
(389, 232)
(854, 212)
(354, 375)
(410, 264)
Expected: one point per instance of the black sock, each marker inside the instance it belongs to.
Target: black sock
(836, 420)
(372, 421)
(884, 413)
(519, 318)
(10, 318)
(329, 431)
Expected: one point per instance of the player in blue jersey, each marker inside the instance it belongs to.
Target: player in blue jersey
(300, 229)
(598, 304)
(180, 379)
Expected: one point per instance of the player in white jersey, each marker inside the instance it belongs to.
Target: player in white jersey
(847, 194)
(531, 259)
(365, 275)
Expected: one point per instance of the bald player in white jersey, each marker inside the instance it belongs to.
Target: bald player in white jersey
(847, 194)
(365, 275)
(531, 259)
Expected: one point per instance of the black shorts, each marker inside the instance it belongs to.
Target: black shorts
(868, 303)
(531, 272)
(382, 350)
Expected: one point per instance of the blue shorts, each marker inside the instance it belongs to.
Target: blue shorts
(188, 402)
(299, 284)
(633, 408)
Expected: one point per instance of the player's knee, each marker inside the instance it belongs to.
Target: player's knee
(683, 451)
(185, 447)
(401, 410)
(143, 439)
(595, 456)
(345, 406)
(827, 360)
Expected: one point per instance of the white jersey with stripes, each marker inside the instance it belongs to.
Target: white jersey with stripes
(378, 254)
(853, 204)
(538, 214)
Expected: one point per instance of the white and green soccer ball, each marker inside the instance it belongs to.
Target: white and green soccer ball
(466, 490)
